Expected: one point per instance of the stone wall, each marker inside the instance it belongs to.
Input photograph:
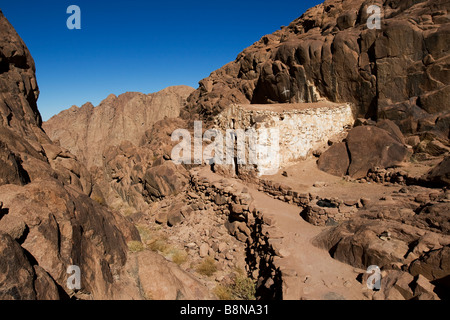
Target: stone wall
(247, 224)
(317, 210)
(302, 129)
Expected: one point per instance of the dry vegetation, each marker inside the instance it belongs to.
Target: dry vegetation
(207, 267)
(241, 288)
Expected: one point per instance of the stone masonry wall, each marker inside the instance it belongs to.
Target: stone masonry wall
(301, 131)
(248, 224)
(317, 210)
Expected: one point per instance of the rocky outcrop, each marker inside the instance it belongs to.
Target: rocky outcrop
(17, 275)
(88, 131)
(47, 219)
(125, 142)
(399, 72)
(135, 176)
(399, 285)
(44, 207)
(18, 87)
(440, 174)
(160, 279)
(335, 160)
(63, 227)
(365, 148)
(397, 234)
(434, 266)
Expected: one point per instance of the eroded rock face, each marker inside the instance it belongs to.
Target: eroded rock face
(138, 175)
(365, 148)
(47, 219)
(440, 174)
(399, 72)
(398, 234)
(16, 273)
(125, 142)
(44, 199)
(335, 160)
(370, 146)
(87, 131)
(18, 87)
(160, 279)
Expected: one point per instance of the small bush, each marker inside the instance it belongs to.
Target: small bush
(144, 232)
(242, 288)
(158, 242)
(223, 292)
(158, 245)
(128, 211)
(179, 256)
(207, 267)
(135, 246)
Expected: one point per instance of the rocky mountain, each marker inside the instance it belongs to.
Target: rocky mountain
(399, 72)
(48, 222)
(141, 226)
(88, 132)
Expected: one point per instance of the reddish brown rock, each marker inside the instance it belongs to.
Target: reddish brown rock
(174, 215)
(366, 240)
(16, 273)
(44, 285)
(335, 160)
(159, 279)
(392, 129)
(13, 225)
(365, 148)
(165, 180)
(399, 72)
(434, 265)
(440, 174)
(371, 147)
(88, 131)
(47, 220)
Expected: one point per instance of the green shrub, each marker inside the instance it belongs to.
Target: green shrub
(242, 288)
(144, 232)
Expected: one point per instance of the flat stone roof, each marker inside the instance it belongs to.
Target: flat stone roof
(281, 107)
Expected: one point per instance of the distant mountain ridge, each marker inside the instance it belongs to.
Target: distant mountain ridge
(88, 131)
(98, 188)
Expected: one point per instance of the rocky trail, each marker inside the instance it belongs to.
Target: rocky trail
(308, 272)
(363, 119)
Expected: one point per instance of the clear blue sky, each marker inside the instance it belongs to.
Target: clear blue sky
(135, 45)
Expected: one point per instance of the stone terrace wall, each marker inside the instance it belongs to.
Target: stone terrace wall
(249, 225)
(316, 210)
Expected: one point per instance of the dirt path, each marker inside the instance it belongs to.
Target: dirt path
(310, 272)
